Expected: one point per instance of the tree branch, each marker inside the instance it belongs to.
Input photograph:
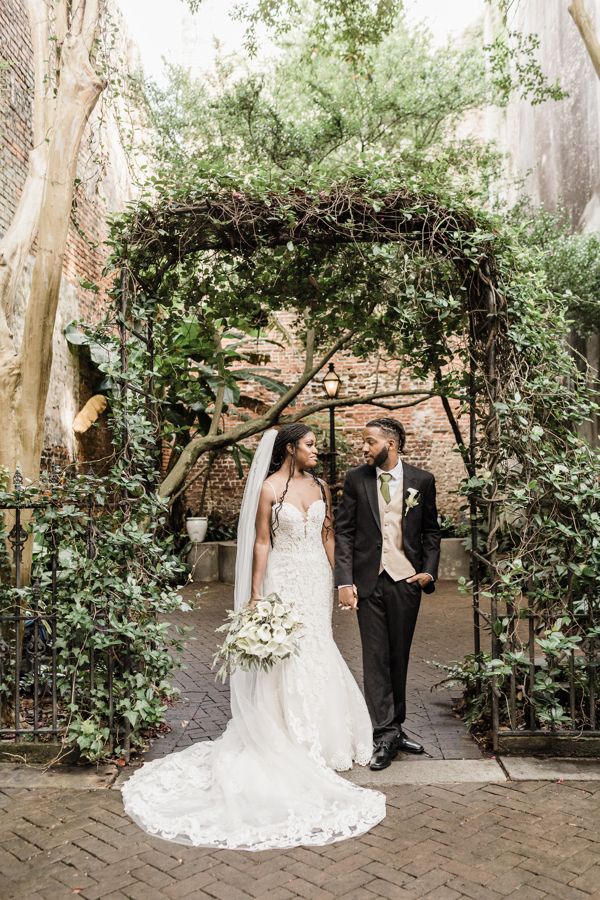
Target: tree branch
(61, 26)
(310, 349)
(367, 400)
(186, 486)
(77, 14)
(452, 420)
(90, 23)
(586, 29)
(214, 425)
(198, 446)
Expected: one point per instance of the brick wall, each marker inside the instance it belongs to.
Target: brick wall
(16, 90)
(430, 443)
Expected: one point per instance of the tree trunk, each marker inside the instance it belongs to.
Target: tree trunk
(45, 206)
(586, 29)
(16, 242)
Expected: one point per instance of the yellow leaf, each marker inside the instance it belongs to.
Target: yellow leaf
(90, 412)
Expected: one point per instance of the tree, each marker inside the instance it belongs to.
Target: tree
(571, 261)
(66, 90)
(315, 112)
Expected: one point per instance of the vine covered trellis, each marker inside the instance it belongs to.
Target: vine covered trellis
(374, 266)
(449, 291)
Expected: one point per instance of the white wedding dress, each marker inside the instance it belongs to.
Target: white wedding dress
(268, 781)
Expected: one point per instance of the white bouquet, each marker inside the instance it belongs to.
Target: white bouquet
(258, 636)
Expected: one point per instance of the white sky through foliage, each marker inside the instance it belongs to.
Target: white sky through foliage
(166, 28)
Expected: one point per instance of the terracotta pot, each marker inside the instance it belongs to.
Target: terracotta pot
(196, 528)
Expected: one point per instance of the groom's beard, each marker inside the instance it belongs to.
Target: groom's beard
(381, 458)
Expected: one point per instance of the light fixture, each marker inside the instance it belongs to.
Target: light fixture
(331, 382)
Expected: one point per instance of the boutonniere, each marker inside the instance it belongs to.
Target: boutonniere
(412, 500)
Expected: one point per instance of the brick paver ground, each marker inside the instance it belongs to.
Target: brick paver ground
(526, 841)
(444, 633)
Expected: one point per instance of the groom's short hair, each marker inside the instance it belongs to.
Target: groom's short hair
(391, 429)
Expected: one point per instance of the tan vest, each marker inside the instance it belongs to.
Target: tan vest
(393, 560)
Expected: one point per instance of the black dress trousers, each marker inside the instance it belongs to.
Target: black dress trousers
(387, 622)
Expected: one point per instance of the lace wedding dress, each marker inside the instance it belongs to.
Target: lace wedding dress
(268, 781)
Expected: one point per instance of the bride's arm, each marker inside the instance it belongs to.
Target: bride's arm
(328, 530)
(262, 543)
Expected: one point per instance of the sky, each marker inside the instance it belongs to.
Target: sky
(166, 28)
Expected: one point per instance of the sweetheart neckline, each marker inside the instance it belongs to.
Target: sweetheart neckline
(304, 518)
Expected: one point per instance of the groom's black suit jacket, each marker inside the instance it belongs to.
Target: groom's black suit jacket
(358, 529)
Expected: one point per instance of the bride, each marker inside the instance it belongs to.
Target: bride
(269, 781)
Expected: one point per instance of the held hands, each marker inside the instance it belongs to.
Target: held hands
(348, 597)
(422, 578)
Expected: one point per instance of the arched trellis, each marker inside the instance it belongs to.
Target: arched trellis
(154, 239)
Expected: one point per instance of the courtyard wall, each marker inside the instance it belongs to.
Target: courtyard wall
(430, 442)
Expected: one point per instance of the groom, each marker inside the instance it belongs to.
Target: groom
(387, 549)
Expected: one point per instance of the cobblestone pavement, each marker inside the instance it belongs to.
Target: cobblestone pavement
(444, 633)
(525, 841)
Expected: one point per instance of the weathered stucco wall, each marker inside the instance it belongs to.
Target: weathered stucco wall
(555, 146)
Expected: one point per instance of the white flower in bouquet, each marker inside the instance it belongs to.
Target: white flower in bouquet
(279, 634)
(263, 633)
(263, 608)
(258, 636)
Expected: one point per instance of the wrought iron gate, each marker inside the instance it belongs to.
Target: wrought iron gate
(34, 693)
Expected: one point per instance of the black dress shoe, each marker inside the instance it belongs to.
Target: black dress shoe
(407, 746)
(384, 753)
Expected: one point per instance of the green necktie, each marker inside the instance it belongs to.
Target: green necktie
(385, 486)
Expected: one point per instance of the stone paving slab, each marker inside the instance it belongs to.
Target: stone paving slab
(532, 769)
(74, 777)
(519, 840)
(416, 770)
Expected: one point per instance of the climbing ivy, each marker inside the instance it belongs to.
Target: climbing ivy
(117, 578)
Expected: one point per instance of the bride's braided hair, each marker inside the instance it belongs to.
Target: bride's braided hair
(290, 434)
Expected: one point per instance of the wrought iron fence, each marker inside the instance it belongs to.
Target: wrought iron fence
(550, 695)
(35, 694)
